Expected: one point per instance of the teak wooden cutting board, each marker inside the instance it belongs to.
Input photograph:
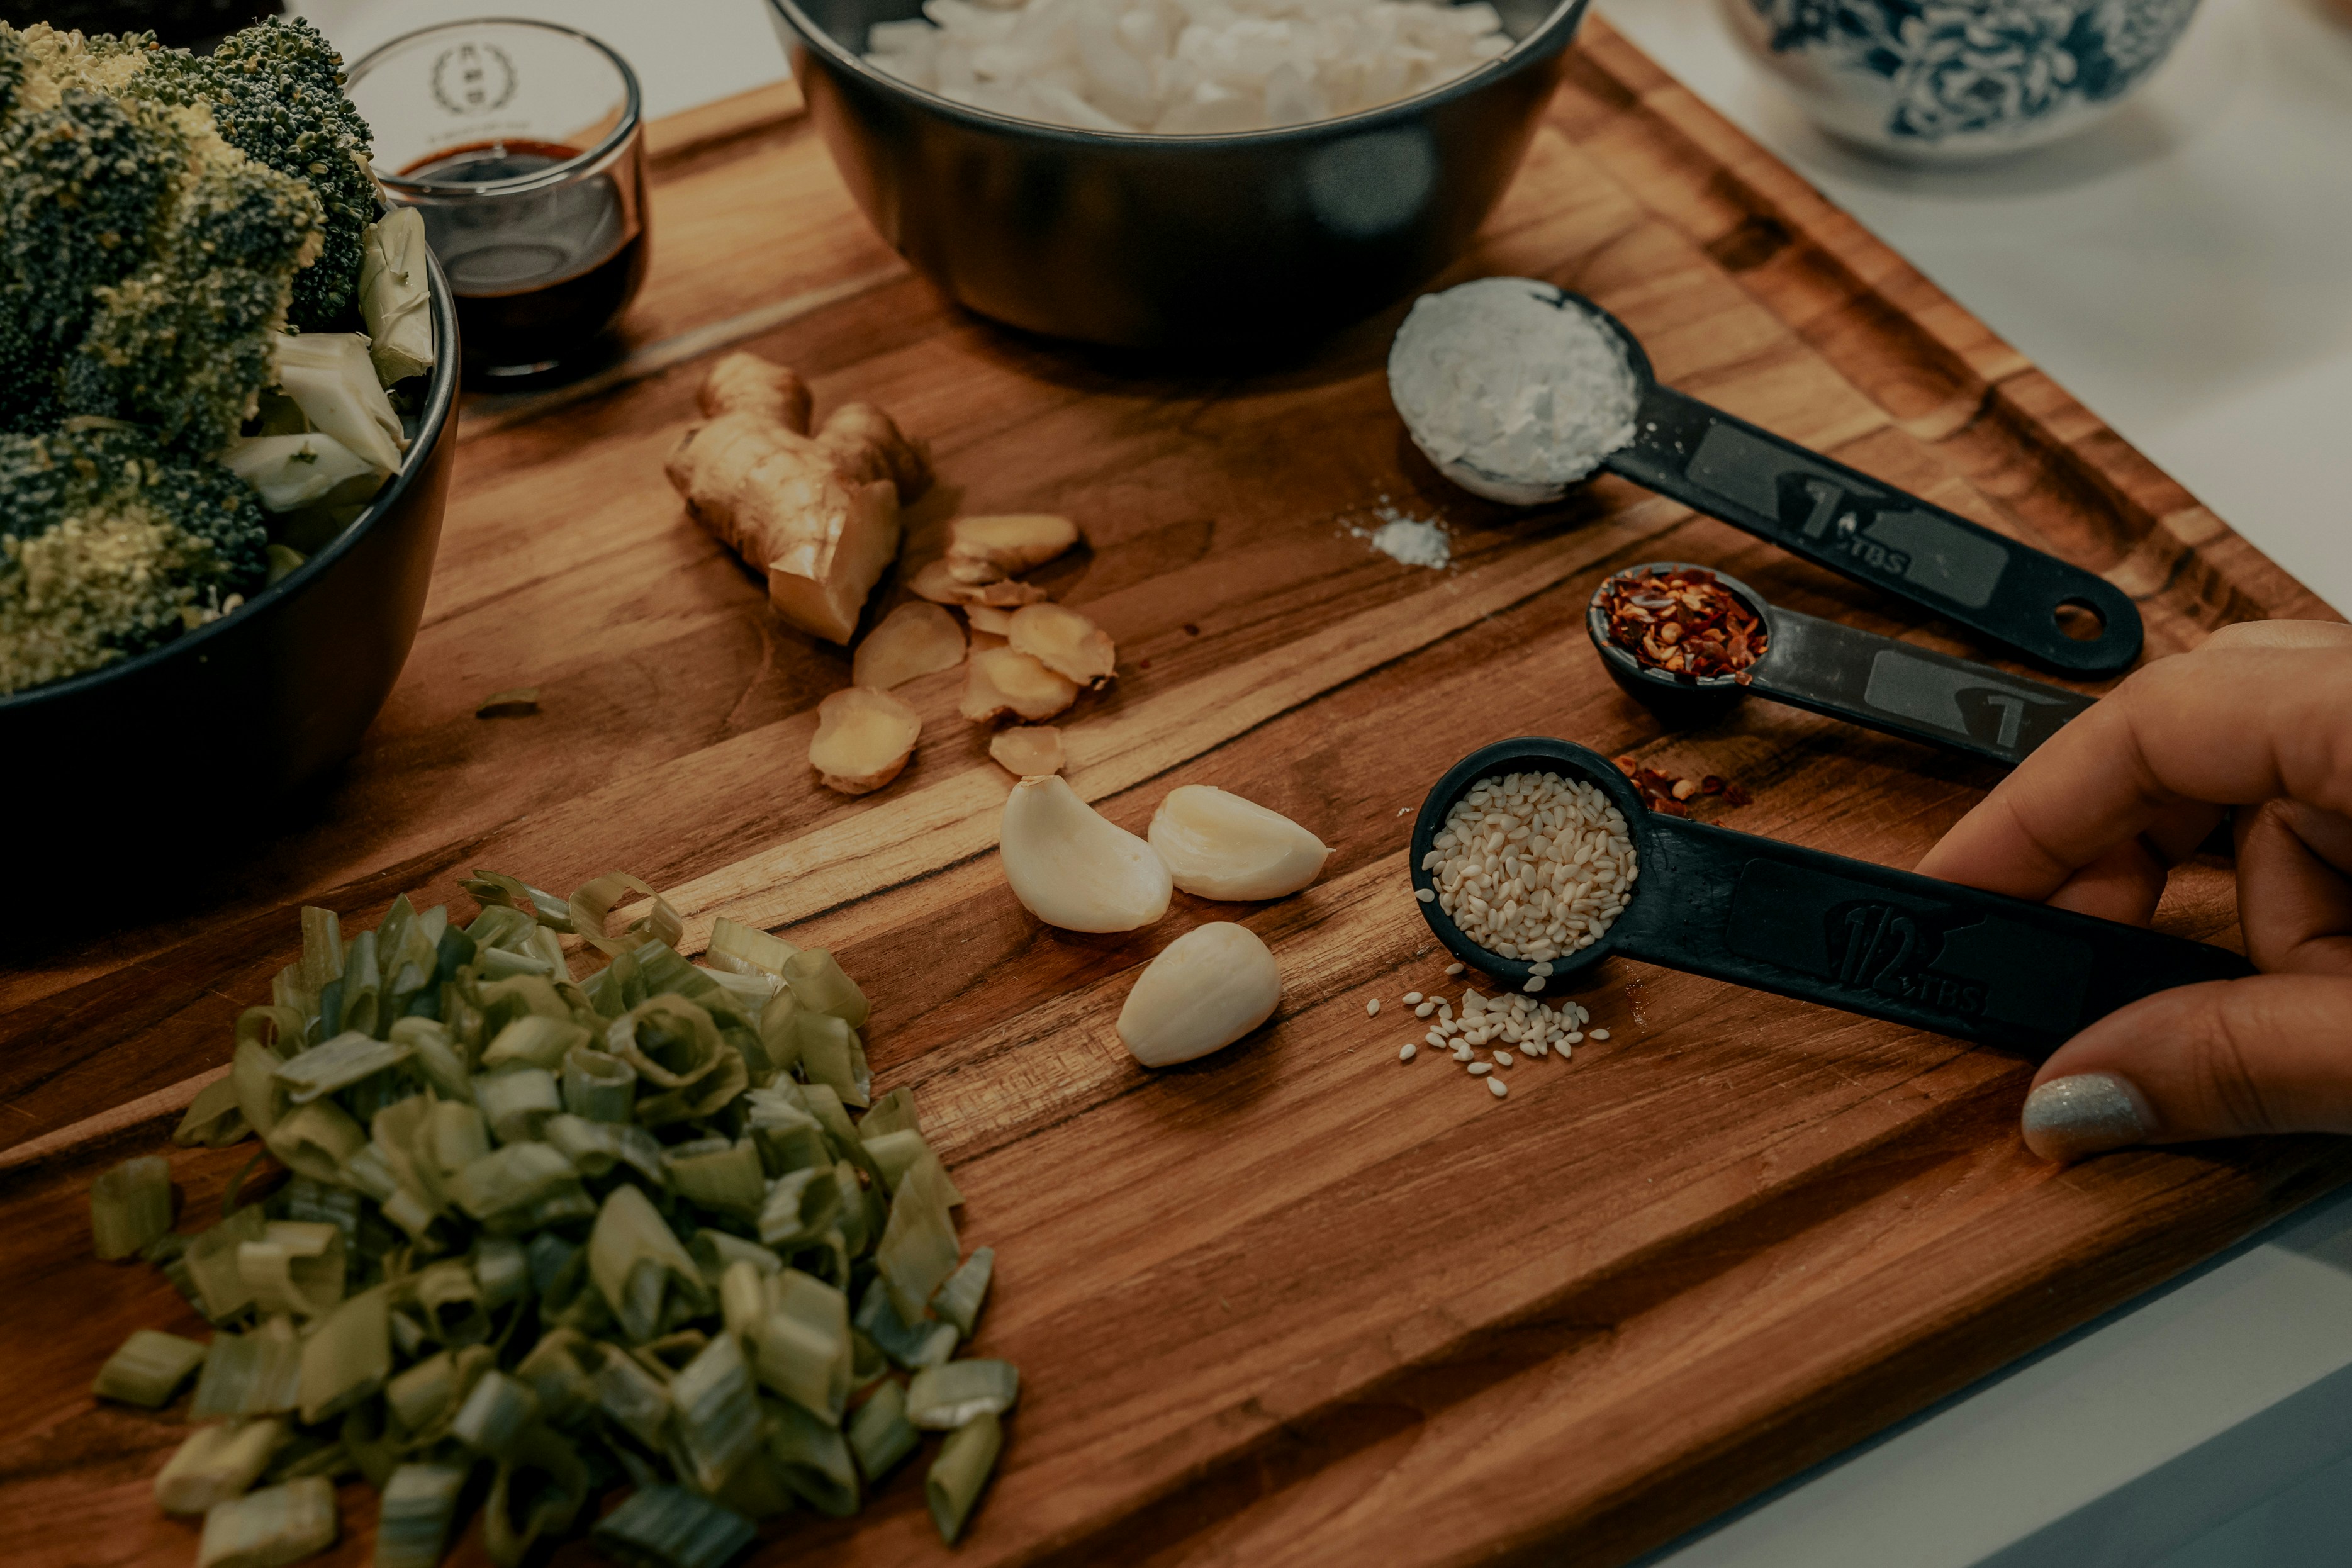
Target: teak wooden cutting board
(1297, 1303)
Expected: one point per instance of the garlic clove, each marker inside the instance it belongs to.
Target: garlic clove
(1206, 989)
(1219, 846)
(1072, 867)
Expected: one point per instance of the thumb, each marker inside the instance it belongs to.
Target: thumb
(2272, 1053)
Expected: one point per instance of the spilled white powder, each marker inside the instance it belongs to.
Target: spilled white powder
(1512, 389)
(1410, 541)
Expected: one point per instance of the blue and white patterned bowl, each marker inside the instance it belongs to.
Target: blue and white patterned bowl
(1935, 79)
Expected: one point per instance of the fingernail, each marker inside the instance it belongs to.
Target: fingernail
(2086, 1113)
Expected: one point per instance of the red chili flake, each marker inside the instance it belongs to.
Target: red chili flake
(1684, 621)
(1665, 794)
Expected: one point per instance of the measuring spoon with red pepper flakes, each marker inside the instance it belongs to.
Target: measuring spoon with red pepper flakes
(1688, 642)
(2052, 612)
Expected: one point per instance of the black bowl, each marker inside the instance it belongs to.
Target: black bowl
(1211, 245)
(215, 727)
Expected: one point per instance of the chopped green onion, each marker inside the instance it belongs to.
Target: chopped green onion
(270, 1528)
(148, 1369)
(214, 1464)
(919, 1249)
(131, 1206)
(941, 1398)
(804, 1365)
(880, 1435)
(598, 1086)
(596, 1147)
(632, 1397)
(742, 1298)
(592, 907)
(759, 1488)
(894, 1112)
(346, 1060)
(822, 987)
(347, 1358)
(315, 1140)
(898, 1152)
(211, 1263)
(420, 1504)
(419, 1397)
(959, 1300)
(539, 1491)
(638, 1262)
(824, 1054)
(717, 1416)
(322, 948)
(213, 1118)
(911, 1345)
(517, 1102)
(437, 1055)
(815, 1459)
(496, 1414)
(799, 1207)
(450, 1296)
(789, 1139)
(715, 1252)
(961, 1472)
(560, 1369)
(728, 1181)
(253, 1073)
(256, 1374)
(521, 1187)
(503, 1266)
(670, 1527)
(739, 947)
(823, 1102)
(544, 907)
(297, 1266)
(534, 1041)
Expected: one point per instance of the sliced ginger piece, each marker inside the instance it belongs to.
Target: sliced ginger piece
(1064, 641)
(863, 739)
(1000, 681)
(1028, 750)
(936, 583)
(818, 513)
(989, 618)
(1007, 544)
(913, 639)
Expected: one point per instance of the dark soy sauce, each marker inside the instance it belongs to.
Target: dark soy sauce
(536, 275)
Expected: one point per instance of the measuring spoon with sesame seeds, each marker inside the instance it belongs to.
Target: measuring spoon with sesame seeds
(2051, 611)
(1827, 667)
(1845, 933)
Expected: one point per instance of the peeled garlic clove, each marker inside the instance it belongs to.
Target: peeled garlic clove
(1219, 846)
(1073, 868)
(1206, 989)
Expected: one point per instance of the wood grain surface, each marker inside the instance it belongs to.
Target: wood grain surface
(1297, 1303)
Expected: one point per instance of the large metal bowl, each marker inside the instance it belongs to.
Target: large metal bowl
(212, 729)
(1224, 245)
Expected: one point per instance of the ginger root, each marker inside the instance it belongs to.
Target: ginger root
(914, 639)
(937, 583)
(992, 618)
(983, 548)
(819, 513)
(1028, 750)
(863, 739)
(1064, 641)
(1000, 681)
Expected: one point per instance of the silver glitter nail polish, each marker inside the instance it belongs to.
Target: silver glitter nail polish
(2086, 1113)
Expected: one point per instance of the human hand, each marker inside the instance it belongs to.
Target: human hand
(2259, 718)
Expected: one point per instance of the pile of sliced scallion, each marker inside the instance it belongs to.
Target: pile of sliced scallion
(543, 1236)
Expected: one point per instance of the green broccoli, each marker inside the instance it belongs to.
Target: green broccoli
(109, 546)
(276, 93)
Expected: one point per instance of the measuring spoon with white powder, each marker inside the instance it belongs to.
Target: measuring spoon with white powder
(1517, 390)
(1822, 927)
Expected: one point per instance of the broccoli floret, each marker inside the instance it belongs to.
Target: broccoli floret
(84, 188)
(109, 547)
(275, 92)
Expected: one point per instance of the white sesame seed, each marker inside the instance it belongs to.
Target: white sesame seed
(1411, 997)
(1372, 1008)
(1572, 1038)
(1453, 969)
(1535, 982)
(1600, 1033)
(1503, 1058)
(1424, 895)
(1434, 1038)
(1423, 1010)
(1406, 1052)
(1479, 1070)
(1497, 1088)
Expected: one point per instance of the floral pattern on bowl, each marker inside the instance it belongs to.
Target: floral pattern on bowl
(1932, 78)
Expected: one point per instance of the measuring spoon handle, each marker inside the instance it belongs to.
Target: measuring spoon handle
(1914, 692)
(1874, 532)
(1891, 944)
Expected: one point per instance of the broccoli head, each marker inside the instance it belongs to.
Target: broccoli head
(276, 93)
(109, 546)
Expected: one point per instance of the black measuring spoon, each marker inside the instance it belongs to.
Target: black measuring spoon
(1858, 675)
(1844, 520)
(1821, 928)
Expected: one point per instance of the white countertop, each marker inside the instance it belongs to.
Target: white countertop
(2185, 268)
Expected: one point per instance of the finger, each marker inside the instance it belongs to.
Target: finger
(2272, 1053)
(2278, 633)
(2127, 883)
(2231, 726)
(2294, 904)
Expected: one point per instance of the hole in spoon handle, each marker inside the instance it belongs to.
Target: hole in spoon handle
(1891, 944)
(1874, 532)
(1915, 692)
